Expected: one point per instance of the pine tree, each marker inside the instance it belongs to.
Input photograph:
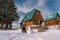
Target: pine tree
(8, 12)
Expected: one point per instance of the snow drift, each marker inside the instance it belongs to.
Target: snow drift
(17, 35)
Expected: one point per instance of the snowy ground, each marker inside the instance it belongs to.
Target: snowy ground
(17, 35)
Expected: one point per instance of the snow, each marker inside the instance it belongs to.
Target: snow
(53, 27)
(17, 35)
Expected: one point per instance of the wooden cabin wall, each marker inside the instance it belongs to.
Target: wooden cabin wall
(58, 20)
(37, 17)
(28, 24)
(50, 22)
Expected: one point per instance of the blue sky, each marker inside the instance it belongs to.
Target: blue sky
(47, 7)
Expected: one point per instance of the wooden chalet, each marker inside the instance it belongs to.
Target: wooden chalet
(53, 19)
(32, 20)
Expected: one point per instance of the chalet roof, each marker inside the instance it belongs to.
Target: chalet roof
(28, 16)
(51, 17)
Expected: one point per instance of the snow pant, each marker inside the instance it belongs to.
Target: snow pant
(24, 30)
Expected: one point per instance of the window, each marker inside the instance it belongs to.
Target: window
(40, 22)
(36, 21)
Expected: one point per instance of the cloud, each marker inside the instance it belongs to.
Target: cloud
(41, 3)
(23, 9)
(45, 11)
(28, 5)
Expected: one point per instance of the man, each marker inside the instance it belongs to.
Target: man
(24, 28)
